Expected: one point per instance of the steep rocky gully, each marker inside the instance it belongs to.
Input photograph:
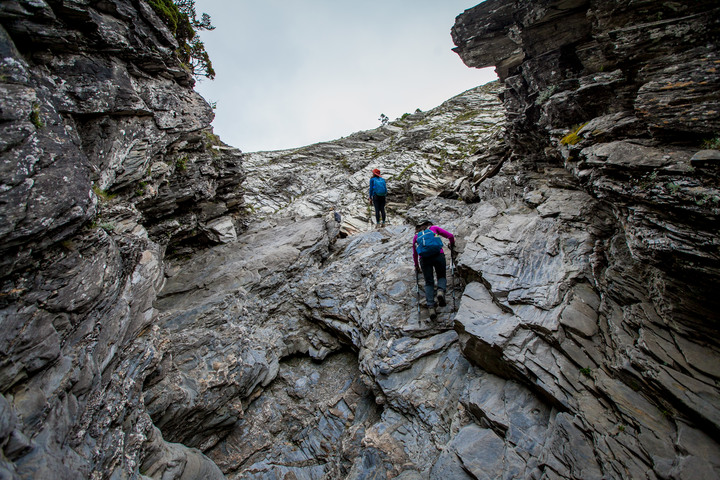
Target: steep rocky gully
(174, 308)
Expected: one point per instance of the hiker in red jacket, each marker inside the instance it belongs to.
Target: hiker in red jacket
(428, 248)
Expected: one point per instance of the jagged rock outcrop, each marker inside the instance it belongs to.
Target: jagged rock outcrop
(625, 95)
(153, 330)
(613, 100)
(106, 160)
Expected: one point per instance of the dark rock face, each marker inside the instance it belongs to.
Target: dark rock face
(565, 63)
(621, 96)
(106, 161)
(624, 96)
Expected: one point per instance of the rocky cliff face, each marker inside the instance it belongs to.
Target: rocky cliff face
(623, 94)
(107, 160)
(618, 102)
(296, 345)
(172, 308)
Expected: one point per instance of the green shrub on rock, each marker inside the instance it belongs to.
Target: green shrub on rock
(181, 18)
(712, 144)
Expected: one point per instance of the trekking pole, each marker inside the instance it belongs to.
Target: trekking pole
(417, 289)
(452, 275)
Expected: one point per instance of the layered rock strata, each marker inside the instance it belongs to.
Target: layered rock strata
(107, 160)
(149, 330)
(618, 101)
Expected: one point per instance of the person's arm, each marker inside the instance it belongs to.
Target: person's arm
(415, 255)
(444, 233)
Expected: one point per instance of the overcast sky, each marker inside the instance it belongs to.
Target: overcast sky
(290, 73)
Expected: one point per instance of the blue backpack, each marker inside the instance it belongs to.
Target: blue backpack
(428, 243)
(379, 187)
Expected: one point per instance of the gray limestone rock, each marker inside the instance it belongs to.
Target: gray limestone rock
(172, 308)
(706, 158)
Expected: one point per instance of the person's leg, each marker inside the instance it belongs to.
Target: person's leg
(440, 269)
(382, 208)
(376, 204)
(427, 270)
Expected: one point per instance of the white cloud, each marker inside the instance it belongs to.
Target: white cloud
(291, 73)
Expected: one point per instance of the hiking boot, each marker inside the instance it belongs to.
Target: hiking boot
(383, 224)
(433, 313)
(441, 298)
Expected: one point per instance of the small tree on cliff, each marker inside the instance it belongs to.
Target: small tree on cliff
(181, 18)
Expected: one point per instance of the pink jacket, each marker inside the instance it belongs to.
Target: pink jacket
(439, 231)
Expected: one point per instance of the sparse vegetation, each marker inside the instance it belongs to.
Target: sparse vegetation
(345, 164)
(712, 143)
(672, 187)
(648, 181)
(465, 150)
(35, 116)
(181, 163)
(586, 371)
(464, 117)
(572, 138)
(211, 138)
(103, 195)
(423, 121)
(706, 198)
(545, 95)
(181, 18)
(140, 190)
(406, 171)
(99, 223)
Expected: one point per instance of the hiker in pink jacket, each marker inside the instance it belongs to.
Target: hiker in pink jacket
(428, 249)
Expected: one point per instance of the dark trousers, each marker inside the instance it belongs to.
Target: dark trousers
(437, 264)
(379, 203)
